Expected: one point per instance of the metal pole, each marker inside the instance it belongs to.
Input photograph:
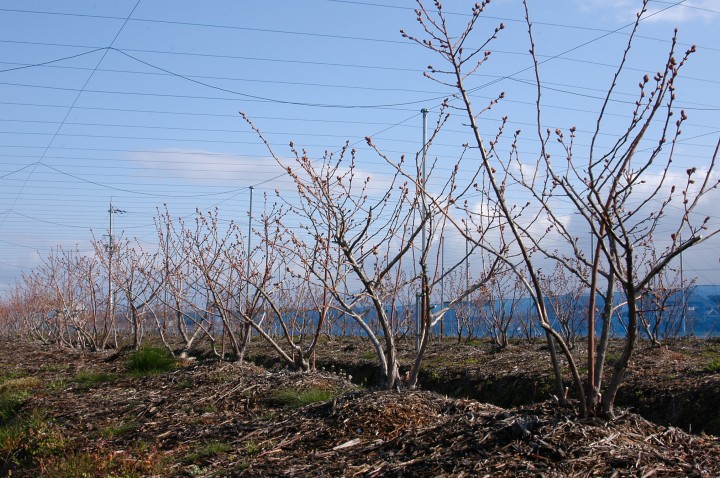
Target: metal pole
(682, 285)
(247, 327)
(248, 330)
(442, 282)
(420, 316)
(467, 258)
(167, 277)
(111, 250)
(247, 272)
(111, 246)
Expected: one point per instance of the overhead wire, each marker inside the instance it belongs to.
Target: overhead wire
(361, 140)
(67, 115)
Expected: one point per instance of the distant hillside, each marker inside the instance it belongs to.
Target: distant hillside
(701, 318)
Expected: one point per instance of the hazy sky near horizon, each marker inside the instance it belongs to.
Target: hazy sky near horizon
(136, 102)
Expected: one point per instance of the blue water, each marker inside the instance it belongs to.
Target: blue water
(701, 318)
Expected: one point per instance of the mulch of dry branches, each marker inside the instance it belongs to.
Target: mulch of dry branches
(165, 425)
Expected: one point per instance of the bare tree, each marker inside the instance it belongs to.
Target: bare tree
(292, 307)
(177, 288)
(662, 304)
(67, 283)
(498, 306)
(376, 237)
(566, 300)
(607, 191)
(464, 312)
(131, 275)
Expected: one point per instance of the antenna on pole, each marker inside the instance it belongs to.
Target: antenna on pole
(249, 241)
(420, 315)
(111, 247)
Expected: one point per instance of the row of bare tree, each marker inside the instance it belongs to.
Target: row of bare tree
(339, 251)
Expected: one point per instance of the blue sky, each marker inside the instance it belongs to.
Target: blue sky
(154, 120)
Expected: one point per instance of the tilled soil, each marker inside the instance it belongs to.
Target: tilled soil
(210, 418)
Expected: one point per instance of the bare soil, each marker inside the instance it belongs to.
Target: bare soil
(211, 418)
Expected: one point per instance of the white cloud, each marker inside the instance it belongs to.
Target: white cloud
(703, 10)
(660, 11)
(208, 167)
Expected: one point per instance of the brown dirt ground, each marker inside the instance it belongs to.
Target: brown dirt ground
(210, 418)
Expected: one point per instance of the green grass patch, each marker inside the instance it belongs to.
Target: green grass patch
(13, 392)
(288, 397)
(11, 375)
(12, 437)
(10, 402)
(478, 343)
(150, 360)
(53, 367)
(78, 463)
(19, 383)
(28, 438)
(252, 447)
(118, 428)
(207, 451)
(56, 385)
(713, 366)
(612, 356)
(88, 379)
(184, 384)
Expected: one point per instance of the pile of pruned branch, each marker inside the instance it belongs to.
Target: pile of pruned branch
(176, 415)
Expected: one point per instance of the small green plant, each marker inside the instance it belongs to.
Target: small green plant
(10, 402)
(150, 360)
(56, 385)
(76, 463)
(209, 450)
(288, 397)
(46, 439)
(118, 428)
(87, 379)
(612, 357)
(13, 392)
(12, 436)
(29, 437)
(252, 447)
(53, 367)
(184, 384)
(713, 366)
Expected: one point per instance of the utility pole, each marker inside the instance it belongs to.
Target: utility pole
(167, 277)
(467, 257)
(683, 295)
(248, 328)
(111, 249)
(442, 281)
(420, 319)
(249, 242)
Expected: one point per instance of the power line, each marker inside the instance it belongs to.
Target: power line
(50, 62)
(317, 63)
(247, 98)
(67, 114)
(209, 25)
(689, 6)
(571, 49)
(274, 100)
